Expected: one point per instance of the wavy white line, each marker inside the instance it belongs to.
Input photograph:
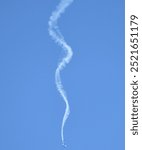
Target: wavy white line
(54, 32)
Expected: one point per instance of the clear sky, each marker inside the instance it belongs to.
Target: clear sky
(31, 109)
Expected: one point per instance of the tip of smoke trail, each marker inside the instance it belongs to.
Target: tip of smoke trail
(64, 145)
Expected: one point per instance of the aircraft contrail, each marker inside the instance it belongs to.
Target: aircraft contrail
(54, 32)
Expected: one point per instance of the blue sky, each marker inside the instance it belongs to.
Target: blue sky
(31, 109)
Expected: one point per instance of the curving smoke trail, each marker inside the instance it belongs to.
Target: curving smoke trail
(54, 32)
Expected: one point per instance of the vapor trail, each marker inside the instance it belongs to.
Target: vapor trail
(54, 32)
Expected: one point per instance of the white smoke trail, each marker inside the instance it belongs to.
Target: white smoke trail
(57, 37)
